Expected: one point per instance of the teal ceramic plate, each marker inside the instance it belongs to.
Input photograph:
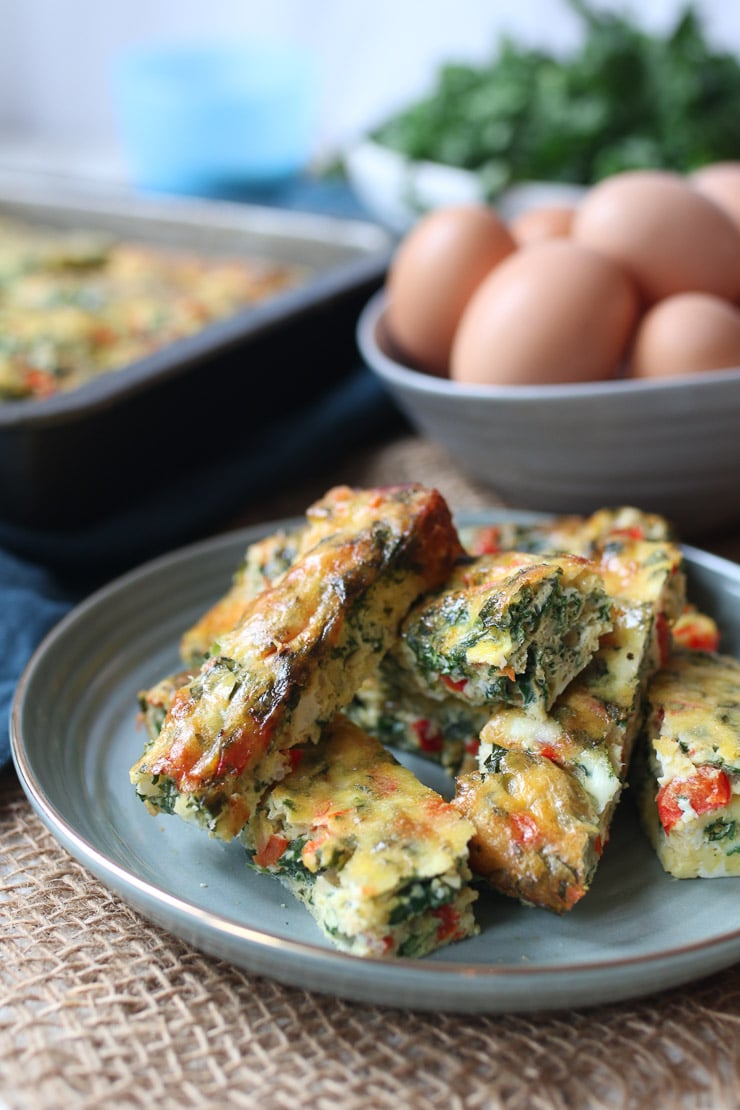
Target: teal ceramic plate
(74, 736)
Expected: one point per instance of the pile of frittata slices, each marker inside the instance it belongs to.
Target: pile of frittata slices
(521, 659)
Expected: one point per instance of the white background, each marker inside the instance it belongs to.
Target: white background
(374, 55)
(56, 55)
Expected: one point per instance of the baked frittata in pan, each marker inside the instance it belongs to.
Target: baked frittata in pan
(74, 305)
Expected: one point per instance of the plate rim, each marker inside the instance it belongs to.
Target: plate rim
(144, 895)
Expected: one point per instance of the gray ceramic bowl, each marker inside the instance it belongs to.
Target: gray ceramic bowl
(670, 446)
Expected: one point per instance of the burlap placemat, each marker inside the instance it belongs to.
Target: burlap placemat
(98, 1008)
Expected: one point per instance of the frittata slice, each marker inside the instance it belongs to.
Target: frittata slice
(268, 559)
(512, 628)
(537, 834)
(687, 774)
(380, 860)
(299, 653)
(574, 535)
(547, 785)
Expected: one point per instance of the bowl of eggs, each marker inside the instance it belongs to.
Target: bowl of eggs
(579, 354)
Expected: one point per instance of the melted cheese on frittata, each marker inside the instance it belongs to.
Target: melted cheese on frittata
(379, 858)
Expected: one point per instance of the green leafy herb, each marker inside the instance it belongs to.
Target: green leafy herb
(626, 99)
(418, 897)
(166, 796)
(722, 829)
(492, 762)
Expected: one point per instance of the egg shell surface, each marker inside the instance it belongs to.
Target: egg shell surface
(546, 222)
(435, 270)
(720, 181)
(663, 232)
(686, 334)
(556, 311)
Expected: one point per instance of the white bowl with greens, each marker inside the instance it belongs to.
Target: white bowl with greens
(396, 191)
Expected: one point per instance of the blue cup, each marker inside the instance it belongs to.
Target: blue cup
(212, 119)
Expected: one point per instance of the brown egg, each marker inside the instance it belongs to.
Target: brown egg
(720, 181)
(535, 224)
(436, 268)
(686, 334)
(554, 312)
(665, 234)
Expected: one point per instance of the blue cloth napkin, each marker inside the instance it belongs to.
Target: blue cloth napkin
(43, 574)
(31, 601)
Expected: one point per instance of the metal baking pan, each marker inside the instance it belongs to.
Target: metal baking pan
(70, 458)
